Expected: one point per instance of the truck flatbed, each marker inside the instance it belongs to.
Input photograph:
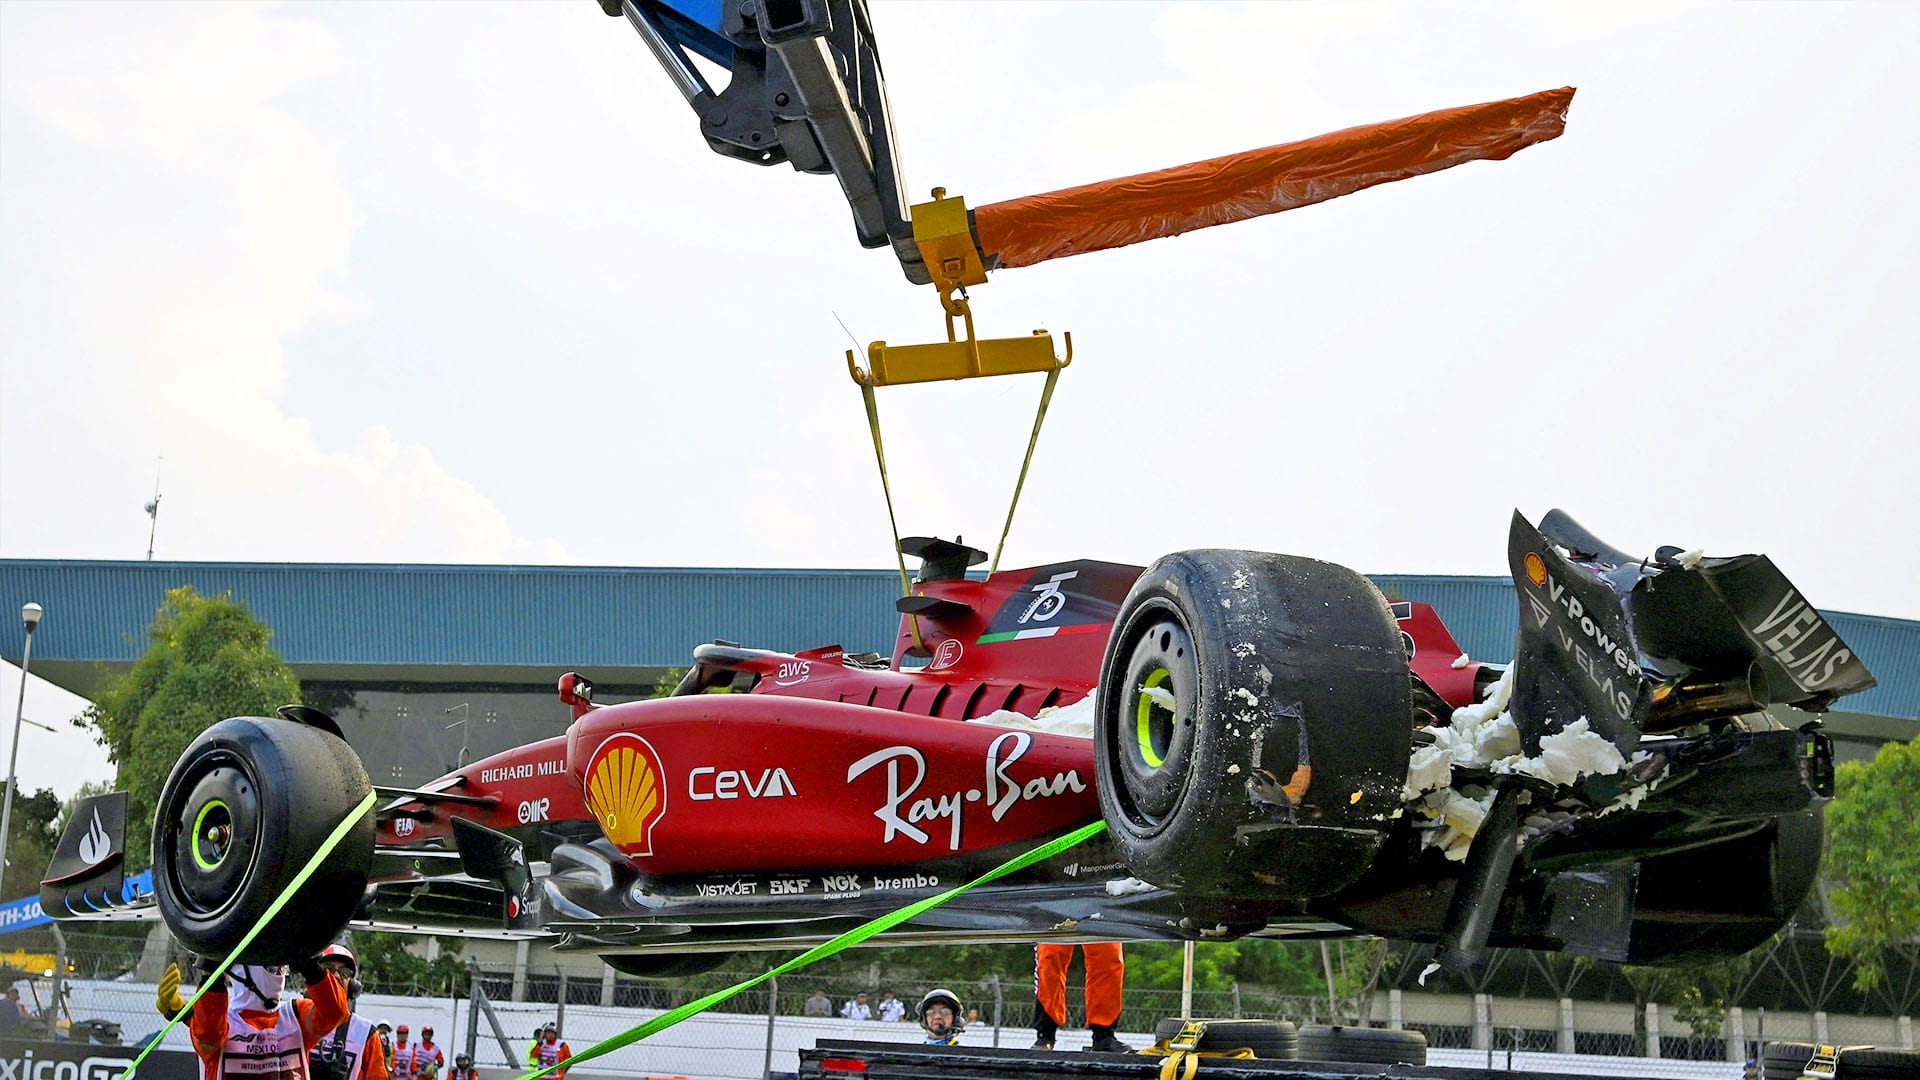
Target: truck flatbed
(832, 1059)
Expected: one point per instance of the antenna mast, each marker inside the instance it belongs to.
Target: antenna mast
(153, 510)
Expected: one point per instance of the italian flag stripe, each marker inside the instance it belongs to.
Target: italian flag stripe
(1039, 632)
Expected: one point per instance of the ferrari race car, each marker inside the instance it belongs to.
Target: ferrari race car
(1275, 747)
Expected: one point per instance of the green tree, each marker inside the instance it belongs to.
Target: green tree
(389, 966)
(1156, 965)
(207, 658)
(30, 840)
(1873, 865)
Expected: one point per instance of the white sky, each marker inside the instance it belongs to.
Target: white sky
(433, 283)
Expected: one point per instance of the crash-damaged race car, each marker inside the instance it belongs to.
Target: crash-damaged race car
(1276, 748)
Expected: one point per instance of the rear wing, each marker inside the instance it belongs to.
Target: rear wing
(87, 877)
(1648, 645)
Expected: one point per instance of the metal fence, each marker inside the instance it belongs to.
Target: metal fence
(105, 992)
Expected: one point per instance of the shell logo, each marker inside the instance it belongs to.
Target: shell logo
(626, 792)
(1536, 568)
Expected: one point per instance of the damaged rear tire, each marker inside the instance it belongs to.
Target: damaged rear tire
(245, 808)
(1252, 724)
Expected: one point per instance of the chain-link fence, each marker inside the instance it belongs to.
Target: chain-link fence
(98, 985)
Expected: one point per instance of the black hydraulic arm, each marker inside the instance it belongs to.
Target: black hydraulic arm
(805, 87)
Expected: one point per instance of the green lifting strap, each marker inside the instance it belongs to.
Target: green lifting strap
(820, 952)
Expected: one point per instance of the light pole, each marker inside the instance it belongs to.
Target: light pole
(30, 615)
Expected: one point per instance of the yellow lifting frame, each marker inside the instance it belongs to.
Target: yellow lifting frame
(944, 233)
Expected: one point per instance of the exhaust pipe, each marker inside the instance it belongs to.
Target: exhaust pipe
(1691, 699)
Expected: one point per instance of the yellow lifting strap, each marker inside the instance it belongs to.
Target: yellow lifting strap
(1825, 1061)
(943, 231)
(1180, 1065)
(880, 455)
(1183, 1053)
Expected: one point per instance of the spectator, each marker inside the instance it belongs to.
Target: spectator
(892, 1009)
(857, 1009)
(940, 1018)
(11, 1012)
(819, 1004)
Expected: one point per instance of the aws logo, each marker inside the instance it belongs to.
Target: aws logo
(625, 791)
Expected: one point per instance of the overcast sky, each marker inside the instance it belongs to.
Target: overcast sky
(421, 283)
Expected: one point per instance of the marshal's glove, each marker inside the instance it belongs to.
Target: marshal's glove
(168, 1000)
(310, 970)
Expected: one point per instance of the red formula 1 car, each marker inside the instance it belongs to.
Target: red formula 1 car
(1276, 749)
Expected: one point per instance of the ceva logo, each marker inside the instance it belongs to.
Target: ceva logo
(625, 791)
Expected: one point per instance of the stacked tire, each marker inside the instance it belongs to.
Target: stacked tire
(1274, 1040)
(1788, 1060)
(1362, 1045)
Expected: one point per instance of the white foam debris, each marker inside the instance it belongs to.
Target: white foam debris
(1246, 695)
(1074, 721)
(1484, 736)
(1634, 796)
(1460, 816)
(1128, 886)
(1243, 650)
(1429, 768)
(1479, 735)
(1461, 661)
(1233, 770)
(1567, 755)
(1428, 970)
(1690, 559)
(1241, 579)
(1500, 691)
(1160, 696)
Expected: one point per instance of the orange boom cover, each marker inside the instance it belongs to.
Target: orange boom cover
(1168, 202)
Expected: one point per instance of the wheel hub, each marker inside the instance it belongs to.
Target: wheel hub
(218, 824)
(1156, 719)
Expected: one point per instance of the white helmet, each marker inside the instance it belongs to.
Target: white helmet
(941, 996)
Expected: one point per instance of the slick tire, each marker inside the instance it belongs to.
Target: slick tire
(245, 808)
(1274, 1040)
(669, 966)
(1252, 725)
(1873, 1063)
(1365, 1046)
(1785, 1059)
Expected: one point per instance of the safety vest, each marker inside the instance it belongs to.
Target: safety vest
(546, 1056)
(278, 1053)
(357, 1029)
(401, 1067)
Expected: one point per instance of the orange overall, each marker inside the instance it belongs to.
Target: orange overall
(1106, 968)
(264, 1044)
